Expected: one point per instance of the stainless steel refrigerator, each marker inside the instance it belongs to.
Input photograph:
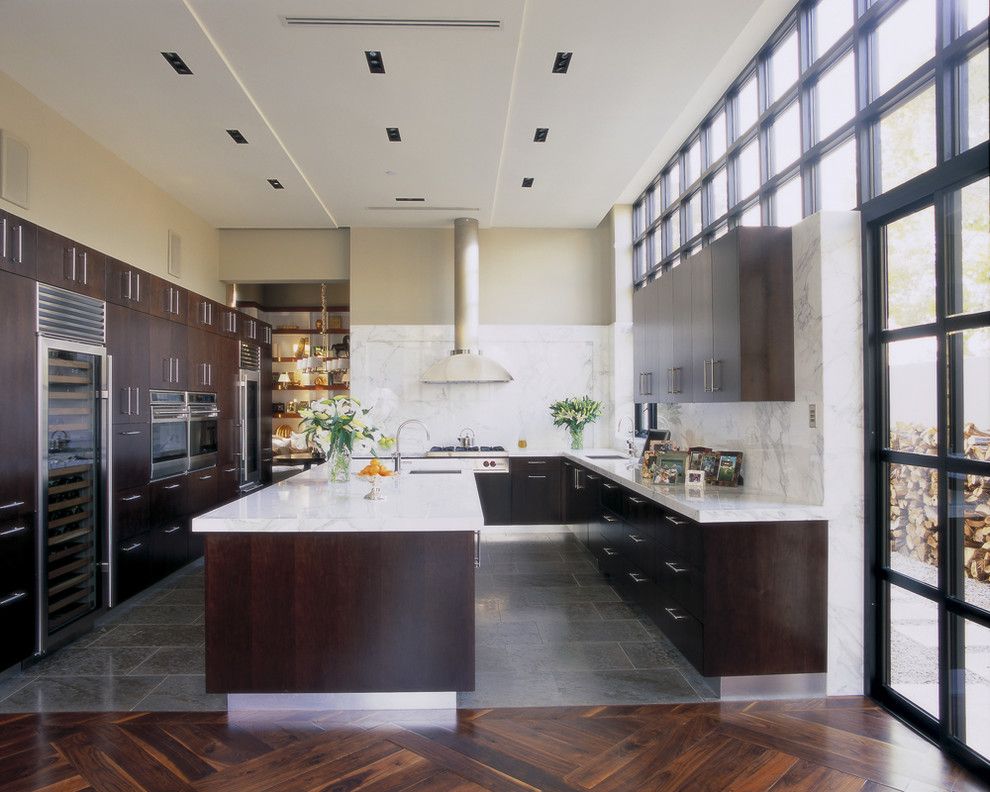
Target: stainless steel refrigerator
(73, 477)
(249, 418)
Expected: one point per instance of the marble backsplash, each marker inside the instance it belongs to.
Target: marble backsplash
(547, 362)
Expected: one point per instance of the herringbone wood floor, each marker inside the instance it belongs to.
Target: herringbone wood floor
(834, 744)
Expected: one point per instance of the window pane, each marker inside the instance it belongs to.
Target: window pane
(974, 12)
(783, 66)
(837, 177)
(721, 231)
(912, 522)
(747, 106)
(718, 194)
(786, 138)
(638, 226)
(907, 140)
(787, 203)
(973, 82)
(672, 184)
(751, 217)
(673, 232)
(911, 396)
(835, 95)
(832, 19)
(904, 41)
(914, 648)
(657, 238)
(910, 253)
(969, 501)
(638, 267)
(970, 284)
(976, 640)
(970, 390)
(716, 138)
(748, 170)
(694, 215)
(692, 163)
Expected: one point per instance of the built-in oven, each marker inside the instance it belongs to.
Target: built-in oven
(169, 434)
(203, 430)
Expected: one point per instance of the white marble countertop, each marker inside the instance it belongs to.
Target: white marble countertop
(446, 501)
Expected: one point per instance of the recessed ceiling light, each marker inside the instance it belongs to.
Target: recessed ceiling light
(375, 63)
(541, 135)
(561, 62)
(528, 181)
(393, 134)
(410, 200)
(176, 63)
(237, 136)
(276, 184)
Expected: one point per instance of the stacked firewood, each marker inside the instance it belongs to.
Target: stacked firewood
(914, 501)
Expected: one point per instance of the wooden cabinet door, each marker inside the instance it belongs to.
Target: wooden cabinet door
(230, 322)
(131, 455)
(168, 301)
(204, 369)
(69, 265)
(250, 329)
(131, 512)
(725, 369)
(662, 339)
(702, 343)
(127, 342)
(18, 246)
(203, 312)
(536, 486)
(682, 386)
(646, 317)
(267, 453)
(133, 571)
(167, 355)
(202, 491)
(265, 336)
(228, 370)
(168, 500)
(19, 418)
(128, 286)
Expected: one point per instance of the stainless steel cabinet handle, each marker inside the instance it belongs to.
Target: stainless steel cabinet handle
(536, 477)
(230, 470)
(714, 386)
(609, 551)
(678, 379)
(85, 268)
(137, 401)
(636, 538)
(167, 375)
(172, 486)
(673, 614)
(130, 498)
(674, 520)
(16, 530)
(609, 518)
(131, 433)
(12, 505)
(609, 486)
(17, 595)
(20, 244)
(670, 380)
(3, 237)
(649, 385)
(130, 547)
(674, 567)
(637, 501)
(638, 578)
(69, 264)
(173, 530)
(704, 374)
(477, 549)
(592, 478)
(536, 461)
(206, 478)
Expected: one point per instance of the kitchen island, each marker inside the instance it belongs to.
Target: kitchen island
(312, 590)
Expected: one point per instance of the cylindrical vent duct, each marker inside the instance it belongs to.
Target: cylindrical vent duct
(466, 285)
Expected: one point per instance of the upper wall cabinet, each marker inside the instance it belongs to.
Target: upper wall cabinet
(168, 301)
(18, 240)
(720, 326)
(203, 313)
(230, 322)
(128, 286)
(69, 265)
(250, 329)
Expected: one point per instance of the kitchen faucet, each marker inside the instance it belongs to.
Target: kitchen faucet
(397, 456)
(466, 438)
(630, 446)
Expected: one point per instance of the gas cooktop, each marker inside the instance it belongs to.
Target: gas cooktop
(467, 451)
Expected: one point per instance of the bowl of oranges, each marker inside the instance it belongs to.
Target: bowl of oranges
(374, 472)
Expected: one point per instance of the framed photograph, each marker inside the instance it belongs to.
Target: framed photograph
(657, 441)
(671, 467)
(695, 478)
(729, 465)
(709, 464)
(696, 452)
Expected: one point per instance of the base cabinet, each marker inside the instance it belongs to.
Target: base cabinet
(536, 496)
(133, 573)
(16, 588)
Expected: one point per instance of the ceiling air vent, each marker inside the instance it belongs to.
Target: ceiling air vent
(375, 63)
(176, 63)
(393, 134)
(410, 200)
(561, 62)
(528, 181)
(237, 137)
(276, 184)
(469, 24)
(541, 135)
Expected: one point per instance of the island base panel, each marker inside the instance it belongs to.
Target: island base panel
(339, 612)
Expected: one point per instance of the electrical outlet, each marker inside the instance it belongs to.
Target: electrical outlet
(812, 416)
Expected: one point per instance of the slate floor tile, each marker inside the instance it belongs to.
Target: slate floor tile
(653, 654)
(75, 660)
(183, 596)
(163, 614)
(536, 659)
(564, 632)
(566, 612)
(527, 632)
(508, 689)
(616, 610)
(173, 660)
(80, 694)
(660, 686)
(155, 635)
(179, 693)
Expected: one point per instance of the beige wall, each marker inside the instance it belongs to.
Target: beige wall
(249, 255)
(82, 190)
(528, 276)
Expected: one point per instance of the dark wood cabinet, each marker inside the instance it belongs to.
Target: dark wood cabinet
(169, 498)
(131, 455)
(267, 453)
(536, 485)
(168, 355)
(230, 322)
(168, 301)
(19, 419)
(204, 366)
(18, 246)
(16, 586)
(168, 547)
(203, 313)
(265, 335)
(128, 286)
(250, 329)
(69, 265)
(228, 473)
(228, 363)
(131, 512)
(133, 566)
(202, 491)
(127, 343)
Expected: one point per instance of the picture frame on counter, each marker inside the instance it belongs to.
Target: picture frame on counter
(671, 467)
(694, 478)
(697, 452)
(729, 466)
(709, 465)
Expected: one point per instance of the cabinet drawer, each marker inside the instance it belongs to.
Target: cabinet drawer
(639, 549)
(17, 552)
(682, 582)
(133, 570)
(202, 491)
(131, 512)
(16, 624)
(131, 455)
(612, 496)
(681, 536)
(228, 485)
(640, 512)
(168, 500)
(683, 630)
(169, 547)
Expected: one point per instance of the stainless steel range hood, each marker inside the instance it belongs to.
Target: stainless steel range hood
(466, 363)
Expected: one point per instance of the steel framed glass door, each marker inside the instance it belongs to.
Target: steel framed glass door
(929, 324)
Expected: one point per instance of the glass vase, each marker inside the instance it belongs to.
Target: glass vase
(577, 437)
(338, 465)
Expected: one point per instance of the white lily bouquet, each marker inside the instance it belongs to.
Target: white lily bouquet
(334, 426)
(575, 413)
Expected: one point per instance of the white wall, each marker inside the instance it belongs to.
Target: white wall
(261, 255)
(83, 191)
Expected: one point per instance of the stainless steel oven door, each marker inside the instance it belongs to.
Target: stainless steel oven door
(202, 442)
(169, 447)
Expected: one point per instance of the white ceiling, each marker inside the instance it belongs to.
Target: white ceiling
(467, 102)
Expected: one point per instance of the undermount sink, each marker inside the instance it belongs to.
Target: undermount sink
(606, 456)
